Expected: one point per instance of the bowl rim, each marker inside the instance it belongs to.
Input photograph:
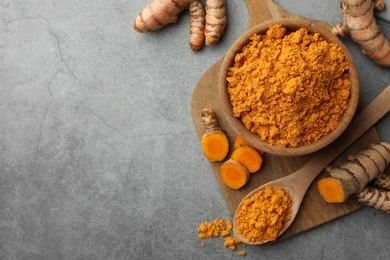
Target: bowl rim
(292, 24)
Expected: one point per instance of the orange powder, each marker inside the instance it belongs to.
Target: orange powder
(215, 228)
(289, 88)
(262, 216)
(219, 227)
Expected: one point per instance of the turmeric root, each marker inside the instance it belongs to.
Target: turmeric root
(233, 174)
(383, 181)
(360, 24)
(354, 175)
(214, 142)
(197, 25)
(159, 13)
(215, 20)
(375, 198)
(248, 157)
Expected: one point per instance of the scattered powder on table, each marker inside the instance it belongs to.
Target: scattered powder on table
(215, 228)
(219, 227)
(289, 88)
(231, 243)
(262, 216)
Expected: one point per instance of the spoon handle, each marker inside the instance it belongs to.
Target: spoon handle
(358, 126)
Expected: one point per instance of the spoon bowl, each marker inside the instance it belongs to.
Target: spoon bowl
(297, 183)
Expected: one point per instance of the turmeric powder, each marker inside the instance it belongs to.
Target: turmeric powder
(290, 89)
(215, 228)
(219, 227)
(262, 216)
(241, 253)
(231, 243)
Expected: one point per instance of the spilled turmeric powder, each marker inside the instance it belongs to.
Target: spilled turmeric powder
(241, 253)
(219, 227)
(231, 243)
(262, 216)
(290, 89)
(215, 228)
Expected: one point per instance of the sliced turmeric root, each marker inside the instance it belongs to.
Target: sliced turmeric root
(215, 146)
(215, 143)
(248, 157)
(331, 190)
(239, 141)
(233, 174)
(354, 175)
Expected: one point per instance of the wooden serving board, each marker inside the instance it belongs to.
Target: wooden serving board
(314, 210)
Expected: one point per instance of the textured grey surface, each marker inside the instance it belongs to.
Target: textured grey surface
(98, 155)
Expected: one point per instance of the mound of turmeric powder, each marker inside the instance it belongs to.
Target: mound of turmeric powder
(262, 216)
(289, 88)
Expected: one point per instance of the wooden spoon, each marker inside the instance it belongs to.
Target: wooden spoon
(297, 183)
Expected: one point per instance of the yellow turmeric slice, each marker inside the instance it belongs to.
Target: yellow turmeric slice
(248, 157)
(239, 141)
(331, 190)
(233, 174)
(215, 143)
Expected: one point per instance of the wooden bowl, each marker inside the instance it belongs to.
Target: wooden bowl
(291, 24)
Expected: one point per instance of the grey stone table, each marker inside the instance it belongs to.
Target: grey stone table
(98, 155)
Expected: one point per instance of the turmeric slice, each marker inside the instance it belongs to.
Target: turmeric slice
(239, 141)
(332, 190)
(215, 143)
(354, 175)
(233, 174)
(248, 157)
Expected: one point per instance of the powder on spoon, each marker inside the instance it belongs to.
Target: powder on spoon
(262, 216)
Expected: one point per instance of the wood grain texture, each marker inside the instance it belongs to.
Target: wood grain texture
(314, 210)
